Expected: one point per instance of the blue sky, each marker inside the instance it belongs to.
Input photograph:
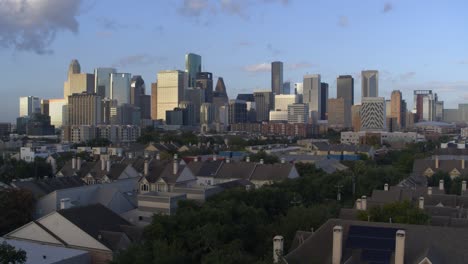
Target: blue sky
(414, 44)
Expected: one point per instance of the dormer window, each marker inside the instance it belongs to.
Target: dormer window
(144, 187)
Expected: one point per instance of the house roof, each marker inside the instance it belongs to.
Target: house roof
(95, 219)
(155, 169)
(207, 168)
(421, 165)
(239, 170)
(45, 186)
(420, 241)
(271, 172)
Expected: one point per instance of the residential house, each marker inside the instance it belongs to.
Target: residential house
(93, 228)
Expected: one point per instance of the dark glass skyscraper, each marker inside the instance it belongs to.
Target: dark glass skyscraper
(277, 77)
(345, 90)
(323, 100)
(192, 67)
(205, 82)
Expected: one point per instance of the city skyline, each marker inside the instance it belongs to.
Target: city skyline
(244, 58)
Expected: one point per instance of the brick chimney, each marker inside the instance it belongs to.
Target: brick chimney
(103, 164)
(247, 159)
(108, 165)
(73, 163)
(175, 165)
(78, 163)
(146, 168)
(400, 247)
(261, 161)
(429, 190)
(463, 164)
(421, 202)
(364, 203)
(385, 187)
(337, 244)
(358, 204)
(463, 186)
(278, 248)
(436, 162)
(158, 156)
(441, 185)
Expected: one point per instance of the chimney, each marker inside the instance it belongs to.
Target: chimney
(400, 247)
(65, 203)
(73, 163)
(175, 166)
(261, 161)
(146, 168)
(103, 164)
(463, 186)
(228, 160)
(283, 161)
(463, 164)
(385, 187)
(436, 162)
(195, 159)
(358, 204)
(108, 165)
(78, 163)
(337, 244)
(421, 203)
(429, 190)
(247, 159)
(441, 185)
(214, 157)
(158, 156)
(364, 203)
(278, 245)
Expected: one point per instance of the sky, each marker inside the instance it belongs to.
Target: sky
(418, 44)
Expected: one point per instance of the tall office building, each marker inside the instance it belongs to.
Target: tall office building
(323, 101)
(264, 102)
(372, 114)
(336, 113)
(154, 101)
(77, 82)
(102, 81)
(197, 97)
(370, 83)
(237, 112)
(193, 66)
(312, 96)
(397, 108)
(45, 107)
(205, 82)
(189, 113)
(206, 113)
(221, 87)
(356, 117)
(299, 88)
(84, 109)
(56, 110)
(220, 102)
(345, 90)
(170, 91)
(29, 105)
(283, 100)
(426, 105)
(277, 77)
(137, 89)
(298, 113)
(286, 88)
(120, 87)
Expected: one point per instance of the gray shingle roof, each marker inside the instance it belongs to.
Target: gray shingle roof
(45, 186)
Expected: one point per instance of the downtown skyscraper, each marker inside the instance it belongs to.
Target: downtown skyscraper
(345, 90)
(312, 95)
(193, 66)
(369, 83)
(170, 91)
(277, 77)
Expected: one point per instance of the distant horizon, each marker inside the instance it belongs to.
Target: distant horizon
(411, 50)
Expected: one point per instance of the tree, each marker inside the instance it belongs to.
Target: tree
(398, 212)
(10, 255)
(16, 207)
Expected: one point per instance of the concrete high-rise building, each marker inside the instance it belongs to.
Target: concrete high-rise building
(299, 88)
(204, 81)
(372, 114)
(264, 102)
(137, 89)
(154, 101)
(193, 66)
(120, 87)
(439, 110)
(189, 114)
(277, 77)
(369, 83)
(398, 110)
(312, 96)
(237, 112)
(451, 115)
(29, 105)
(45, 107)
(102, 81)
(388, 108)
(356, 118)
(323, 101)
(221, 87)
(170, 91)
(56, 110)
(298, 113)
(418, 105)
(84, 109)
(463, 112)
(77, 82)
(336, 113)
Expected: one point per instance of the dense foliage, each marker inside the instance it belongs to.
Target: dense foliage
(399, 212)
(20, 169)
(10, 255)
(16, 207)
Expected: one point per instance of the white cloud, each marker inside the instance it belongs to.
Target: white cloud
(32, 25)
(261, 67)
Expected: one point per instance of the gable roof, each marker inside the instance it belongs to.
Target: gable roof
(271, 172)
(45, 186)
